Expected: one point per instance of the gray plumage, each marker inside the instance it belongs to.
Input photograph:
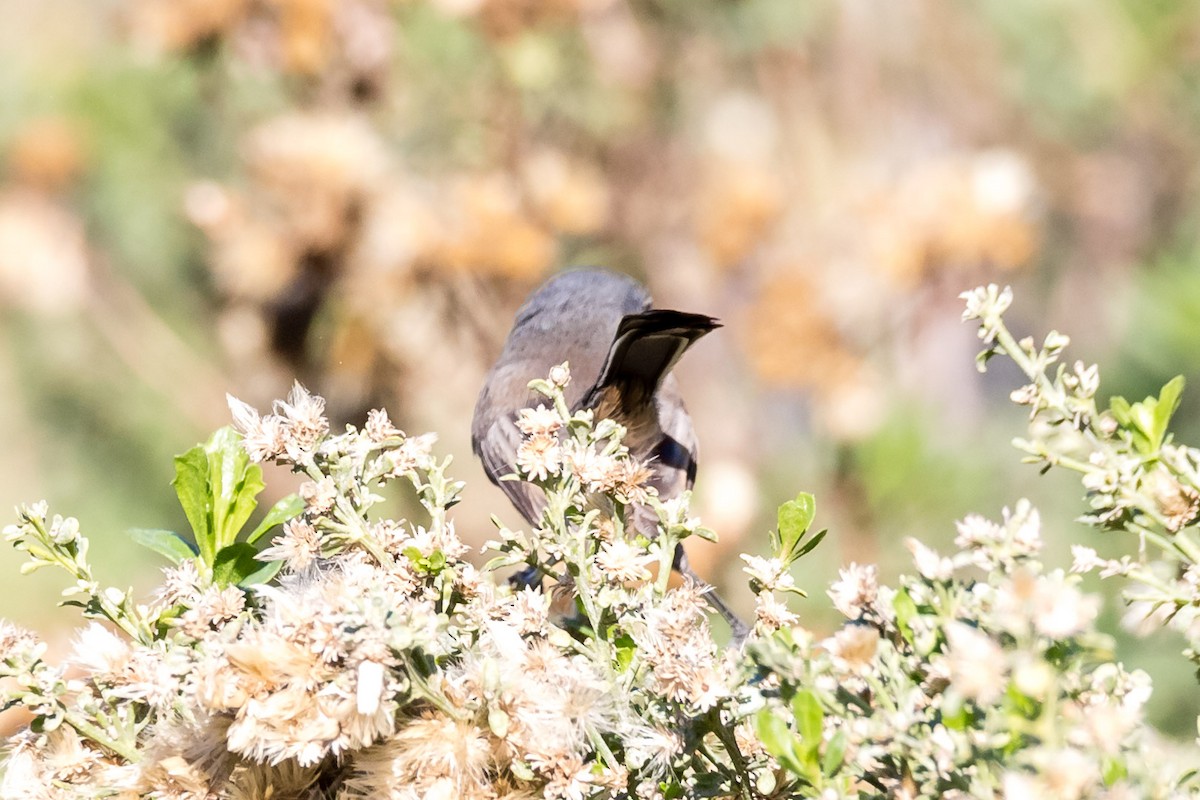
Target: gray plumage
(620, 354)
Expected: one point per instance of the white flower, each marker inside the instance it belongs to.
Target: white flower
(853, 647)
(540, 421)
(1084, 559)
(855, 591)
(299, 545)
(379, 427)
(673, 514)
(1067, 773)
(529, 610)
(987, 304)
(598, 472)
(318, 496)
(652, 749)
(1060, 609)
(928, 562)
(622, 562)
(101, 651)
(976, 663)
(976, 531)
(770, 572)
(772, 614)
(1088, 379)
(64, 531)
(1024, 525)
(538, 457)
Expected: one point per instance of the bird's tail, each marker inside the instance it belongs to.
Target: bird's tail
(647, 345)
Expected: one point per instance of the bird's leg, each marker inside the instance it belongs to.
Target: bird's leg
(740, 630)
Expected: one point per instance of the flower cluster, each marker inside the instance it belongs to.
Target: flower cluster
(979, 676)
(362, 656)
(377, 662)
(1137, 480)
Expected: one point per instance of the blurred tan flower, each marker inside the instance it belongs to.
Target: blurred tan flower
(46, 153)
(399, 229)
(741, 129)
(504, 19)
(305, 33)
(736, 204)
(43, 254)
(623, 51)
(316, 169)
(168, 25)
(249, 258)
(853, 403)
(488, 232)
(571, 196)
(792, 341)
(959, 212)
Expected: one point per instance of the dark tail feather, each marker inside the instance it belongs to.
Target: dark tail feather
(647, 345)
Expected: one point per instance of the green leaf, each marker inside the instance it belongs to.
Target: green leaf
(671, 791)
(835, 754)
(1147, 422)
(906, 609)
(808, 546)
(809, 715)
(957, 718)
(166, 543)
(235, 563)
(1113, 770)
(773, 732)
(281, 512)
(191, 487)
(795, 517)
(626, 648)
(1165, 408)
(707, 783)
(234, 484)
(264, 574)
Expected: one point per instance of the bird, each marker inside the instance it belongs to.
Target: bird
(620, 352)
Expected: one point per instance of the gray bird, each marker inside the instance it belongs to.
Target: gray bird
(621, 353)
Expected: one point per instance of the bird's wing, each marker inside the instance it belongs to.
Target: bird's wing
(498, 451)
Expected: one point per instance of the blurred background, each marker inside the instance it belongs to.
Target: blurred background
(202, 196)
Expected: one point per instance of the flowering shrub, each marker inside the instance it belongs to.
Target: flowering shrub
(358, 656)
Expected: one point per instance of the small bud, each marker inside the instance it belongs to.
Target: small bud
(64, 531)
(1025, 396)
(560, 375)
(1056, 341)
(1089, 379)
